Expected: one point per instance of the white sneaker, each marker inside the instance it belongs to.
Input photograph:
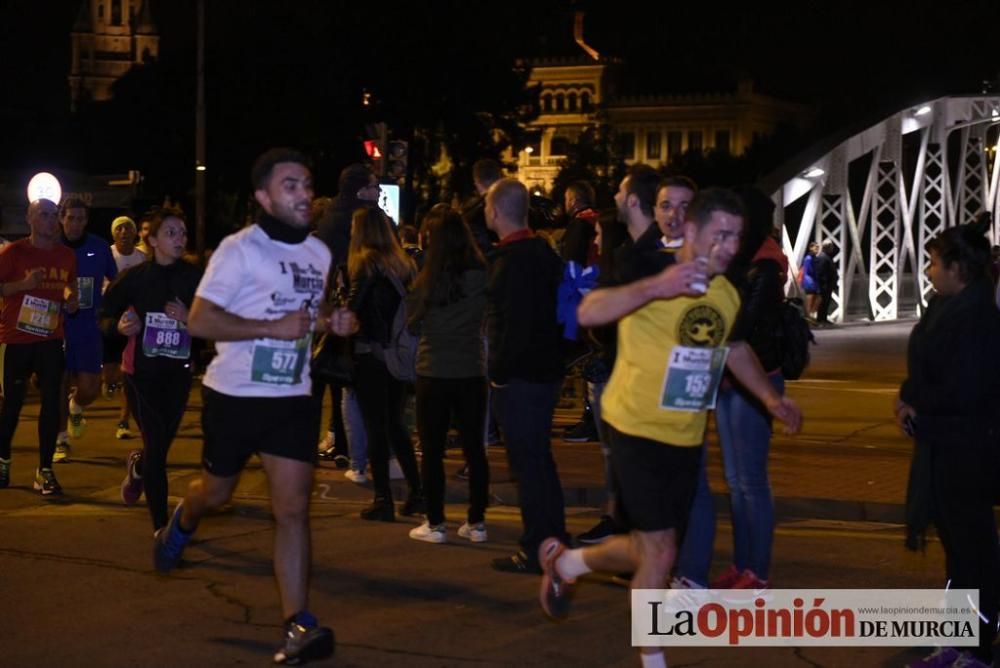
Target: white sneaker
(683, 582)
(357, 477)
(395, 472)
(430, 534)
(326, 443)
(474, 532)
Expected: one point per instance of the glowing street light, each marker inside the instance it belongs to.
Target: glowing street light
(44, 186)
(529, 150)
(923, 111)
(814, 173)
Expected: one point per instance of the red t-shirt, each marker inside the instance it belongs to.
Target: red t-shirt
(35, 315)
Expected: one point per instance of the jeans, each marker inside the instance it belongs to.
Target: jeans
(525, 413)
(354, 428)
(745, 440)
(437, 400)
(745, 436)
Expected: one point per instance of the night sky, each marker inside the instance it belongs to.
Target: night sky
(292, 72)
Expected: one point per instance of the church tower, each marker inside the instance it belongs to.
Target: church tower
(108, 38)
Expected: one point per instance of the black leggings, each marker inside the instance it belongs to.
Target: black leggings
(336, 424)
(437, 400)
(158, 405)
(44, 358)
(382, 399)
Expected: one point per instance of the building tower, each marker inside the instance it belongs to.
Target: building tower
(108, 38)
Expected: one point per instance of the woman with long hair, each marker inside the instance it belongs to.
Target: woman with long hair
(448, 301)
(376, 263)
(149, 304)
(948, 405)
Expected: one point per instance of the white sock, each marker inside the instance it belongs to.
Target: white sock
(654, 660)
(74, 407)
(63, 437)
(571, 565)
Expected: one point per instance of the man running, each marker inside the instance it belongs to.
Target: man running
(37, 283)
(258, 300)
(84, 345)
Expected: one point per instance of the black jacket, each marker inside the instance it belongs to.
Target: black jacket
(525, 342)
(953, 358)
(474, 215)
(953, 381)
(147, 288)
(761, 297)
(334, 228)
(825, 273)
(374, 299)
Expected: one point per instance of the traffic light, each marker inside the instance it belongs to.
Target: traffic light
(397, 154)
(375, 146)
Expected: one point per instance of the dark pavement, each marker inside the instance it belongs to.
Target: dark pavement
(77, 585)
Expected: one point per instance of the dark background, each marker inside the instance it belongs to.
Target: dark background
(294, 72)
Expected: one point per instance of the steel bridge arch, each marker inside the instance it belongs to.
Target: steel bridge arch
(882, 193)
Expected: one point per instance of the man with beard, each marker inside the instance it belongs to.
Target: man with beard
(259, 300)
(37, 284)
(671, 353)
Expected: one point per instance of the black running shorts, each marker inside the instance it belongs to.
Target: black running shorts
(237, 427)
(656, 482)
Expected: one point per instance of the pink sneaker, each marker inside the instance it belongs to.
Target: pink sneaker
(556, 592)
(727, 579)
(749, 580)
(132, 484)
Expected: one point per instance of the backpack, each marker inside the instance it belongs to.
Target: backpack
(400, 353)
(795, 337)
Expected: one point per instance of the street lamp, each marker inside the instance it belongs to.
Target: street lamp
(44, 186)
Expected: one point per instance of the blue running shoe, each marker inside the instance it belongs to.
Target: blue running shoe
(169, 543)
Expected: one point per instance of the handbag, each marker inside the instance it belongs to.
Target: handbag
(333, 360)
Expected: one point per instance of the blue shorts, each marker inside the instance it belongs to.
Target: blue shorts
(84, 348)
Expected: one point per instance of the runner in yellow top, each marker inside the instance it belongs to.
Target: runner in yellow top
(671, 354)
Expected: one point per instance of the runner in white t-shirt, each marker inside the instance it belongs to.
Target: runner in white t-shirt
(259, 300)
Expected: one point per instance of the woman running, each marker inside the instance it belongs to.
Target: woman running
(149, 304)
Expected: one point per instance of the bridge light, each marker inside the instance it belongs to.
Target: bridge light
(814, 173)
(923, 111)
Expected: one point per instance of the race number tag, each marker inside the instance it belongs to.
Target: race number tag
(692, 378)
(278, 362)
(85, 288)
(165, 337)
(38, 316)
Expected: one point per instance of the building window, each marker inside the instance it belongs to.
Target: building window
(559, 146)
(675, 143)
(572, 101)
(560, 102)
(116, 12)
(722, 141)
(653, 141)
(100, 12)
(626, 145)
(546, 102)
(585, 102)
(694, 140)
